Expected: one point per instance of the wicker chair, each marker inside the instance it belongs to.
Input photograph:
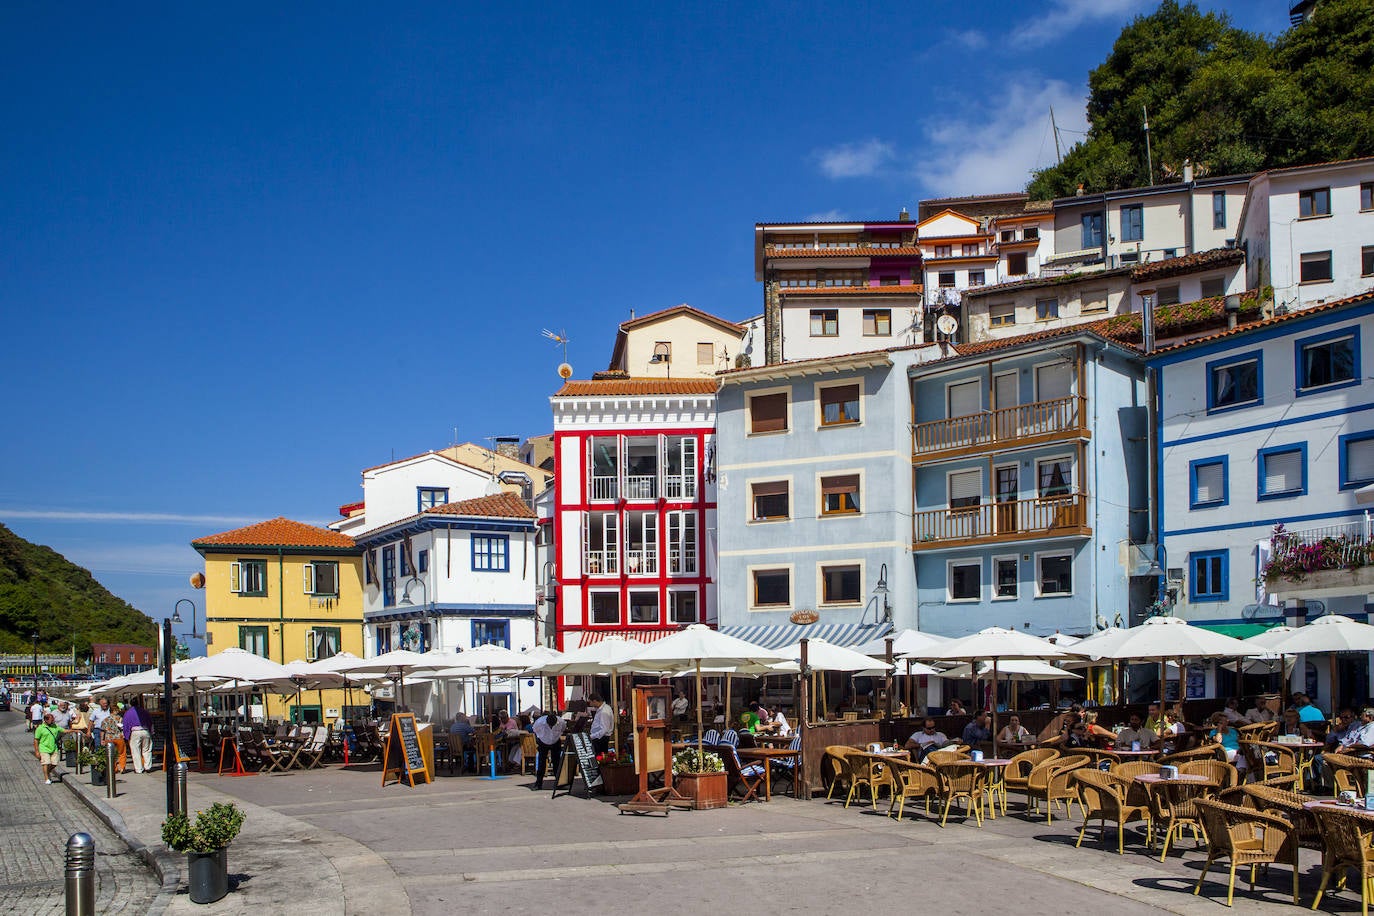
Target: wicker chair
(1206, 752)
(1348, 839)
(912, 780)
(1223, 774)
(962, 779)
(1097, 755)
(1273, 763)
(1050, 782)
(1292, 807)
(1133, 768)
(1172, 805)
(870, 771)
(946, 755)
(836, 756)
(1015, 774)
(1259, 731)
(1348, 774)
(1246, 837)
(1102, 797)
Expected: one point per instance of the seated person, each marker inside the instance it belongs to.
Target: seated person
(978, 730)
(748, 721)
(1261, 711)
(779, 724)
(956, 708)
(462, 727)
(1077, 736)
(1361, 740)
(1103, 736)
(926, 740)
(1013, 732)
(1233, 713)
(1224, 734)
(1307, 710)
(1153, 720)
(1061, 723)
(1133, 732)
(1345, 730)
(1293, 725)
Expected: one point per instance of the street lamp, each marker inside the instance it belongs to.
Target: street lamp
(176, 618)
(405, 601)
(880, 591)
(35, 665)
(169, 742)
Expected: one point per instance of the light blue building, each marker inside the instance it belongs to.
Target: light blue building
(814, 496)
(1270, 423)
(1030, 483)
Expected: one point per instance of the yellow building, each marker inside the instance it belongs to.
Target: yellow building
(285, 590)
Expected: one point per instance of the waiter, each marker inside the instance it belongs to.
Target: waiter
(548, 733)
(603, 723)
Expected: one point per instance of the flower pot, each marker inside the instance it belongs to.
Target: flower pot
(707, 790)
(619, 780)
(97, 777)
(69, 758)
(208, 873)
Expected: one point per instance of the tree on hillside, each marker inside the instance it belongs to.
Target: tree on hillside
(1229, 100)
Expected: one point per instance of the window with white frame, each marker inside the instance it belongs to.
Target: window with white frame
(248, 578)
(1054, 476)
(322, 579)
(682, 606)
(965, 489)
(772, 588)
(965, 580)
(644, 607)
(840, 404)
(682, 543)
(1054, 573)
(604, 607)
(322, 643)
(769, 500)
(964, 399)
(1053, 381)
(1006, 577)
(490, 553)
(840, 494)
(840, 584)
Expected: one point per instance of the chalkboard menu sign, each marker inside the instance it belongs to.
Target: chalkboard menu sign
(586, 759)
(402, 756)
(183, 730)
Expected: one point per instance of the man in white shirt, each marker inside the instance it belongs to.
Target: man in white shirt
(603, 723)
(1136, 731)
(98, 717)
(680, 706)
(1360, 740)
(548, 732)
(927, 739)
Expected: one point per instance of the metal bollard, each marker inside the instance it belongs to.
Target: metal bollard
(111, 759)
(80, 749)
(80, 874)
(181, 772)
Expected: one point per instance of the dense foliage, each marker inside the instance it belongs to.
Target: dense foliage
(1227, 99)
(43, 592)
(214, 828)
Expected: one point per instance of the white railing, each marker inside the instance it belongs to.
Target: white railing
(641, 487)
(683, 487)
(641, 562)
(604, 487)
(600, 563)
(1344, 545)
(682, 562)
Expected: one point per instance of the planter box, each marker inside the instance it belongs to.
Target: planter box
(208, 875)
(706, 790)
(97, 777)
(619, 780)
(69, 758)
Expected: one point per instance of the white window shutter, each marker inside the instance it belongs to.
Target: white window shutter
(1282, 472)
(1359, 460)
(309, 641)
(309, 569)
(1211, 483)
(1053, 382)
(965, 485)
(965, 399)
(235, 577)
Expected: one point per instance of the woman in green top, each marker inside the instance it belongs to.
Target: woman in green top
(45, 745)
(748, 721)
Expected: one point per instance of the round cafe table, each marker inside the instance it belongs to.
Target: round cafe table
(1143, 754)
(997, 789)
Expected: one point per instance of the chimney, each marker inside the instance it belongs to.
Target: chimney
(1187, 171)
(1232, 309)
(508, 447)
(1147, 320)
(1079, 192)
(904, 216)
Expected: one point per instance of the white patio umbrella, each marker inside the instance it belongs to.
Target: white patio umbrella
(699, 646)
(908, 645)
(1332, 633)
(996, 644)
(1023, 670)
(1162, 639)
(396, 664)
(605, 657)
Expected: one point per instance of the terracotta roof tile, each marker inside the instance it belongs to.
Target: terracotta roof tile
(278, 532)
(584, 388)
(1215, 257)
(502, 505)
(911, 289)
(1294, 315)
(1043, 282)
(348, 509)
(858, 251)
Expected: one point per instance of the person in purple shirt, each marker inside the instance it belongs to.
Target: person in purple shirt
(137, 736)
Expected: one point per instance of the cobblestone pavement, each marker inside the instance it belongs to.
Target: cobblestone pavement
(35, 821)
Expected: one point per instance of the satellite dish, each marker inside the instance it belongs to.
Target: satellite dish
(564, 370)
(946, 324)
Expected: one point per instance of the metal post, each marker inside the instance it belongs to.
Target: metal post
(111, 759)
(181, 778)
(80, 874)
(169, 741)
(80, 749)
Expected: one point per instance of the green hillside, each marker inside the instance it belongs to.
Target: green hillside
(42, 591)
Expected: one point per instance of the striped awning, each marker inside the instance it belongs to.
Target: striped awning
(645, 636)
(837, 634)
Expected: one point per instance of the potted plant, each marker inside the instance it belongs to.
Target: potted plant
(206, 844)
(617, 774)
(97, 762)
(69, 751)
(700, 776)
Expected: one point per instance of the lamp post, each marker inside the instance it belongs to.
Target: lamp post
(169, 744)
(880, 592)
(35, 666)
(424, 591)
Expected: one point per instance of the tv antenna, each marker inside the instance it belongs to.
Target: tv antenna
(560, 338)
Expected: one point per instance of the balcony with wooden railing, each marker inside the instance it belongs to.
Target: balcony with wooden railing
(1022, 426)
(1001, 522)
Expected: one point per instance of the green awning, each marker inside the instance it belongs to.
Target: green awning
(1239, 630)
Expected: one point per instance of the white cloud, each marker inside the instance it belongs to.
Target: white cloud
(827, 216)
(856, 160)
(64, 515)
(989, 150)
(969, 39)
(142, 559)
(1063, 16)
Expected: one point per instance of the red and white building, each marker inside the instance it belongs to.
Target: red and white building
(634, 508)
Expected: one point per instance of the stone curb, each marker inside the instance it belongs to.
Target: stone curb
(164, 864)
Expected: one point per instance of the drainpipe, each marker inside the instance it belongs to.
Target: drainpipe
(1097, 491)
(1147, 324)
(281, 600)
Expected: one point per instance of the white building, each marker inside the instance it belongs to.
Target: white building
(679, 342)
(1309, 231)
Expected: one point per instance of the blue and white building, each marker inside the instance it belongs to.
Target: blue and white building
(1270, 423)
(1029, 465)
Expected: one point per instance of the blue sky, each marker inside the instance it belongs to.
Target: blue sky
(250, 249)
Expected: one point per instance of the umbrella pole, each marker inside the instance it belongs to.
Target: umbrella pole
(1332, 657)
(729, 682)
(994, 706)
(615, 710)
(698, 680)
(1163, 673)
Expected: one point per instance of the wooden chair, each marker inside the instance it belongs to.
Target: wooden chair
(913, 780)
(870, 771)
(1292, 807)
(1050, 782)
(1015, 774)
(1103, 797)
(836, 757)
(750, 777)
(529, 751)
(1348, 773)
(1258, 731)
(311, 754)
(1171, 805)
(1246, 837)
(485, 743)
(962, 779)
(1220, 772)
(1206, 752)
(1348, 841)
(1272, 762)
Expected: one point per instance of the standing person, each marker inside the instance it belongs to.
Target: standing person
(138, 737)
(45, 745)
(548, 732)
(680, 706)
(63, 716)
(113, 733)
(98, 716)
(81, 719)
(36, 712)
(603, 723)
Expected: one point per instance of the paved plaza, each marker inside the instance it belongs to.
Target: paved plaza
(333, 841)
